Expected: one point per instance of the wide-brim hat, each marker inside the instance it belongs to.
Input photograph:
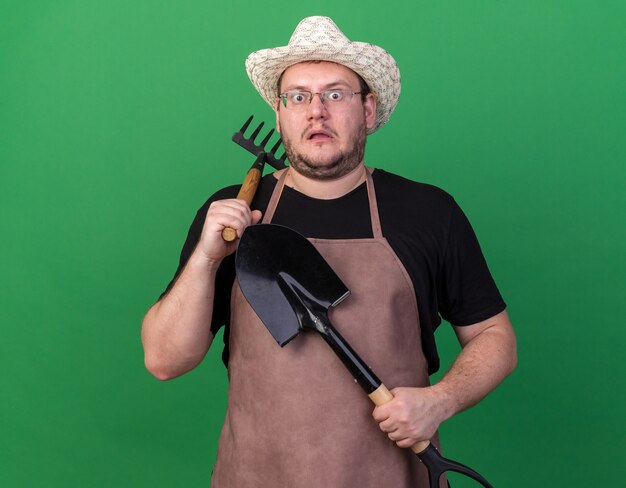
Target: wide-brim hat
(319, 39)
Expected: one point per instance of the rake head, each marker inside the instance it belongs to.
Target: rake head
(257, 149)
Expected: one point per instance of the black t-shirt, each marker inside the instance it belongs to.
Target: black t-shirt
(423, 225)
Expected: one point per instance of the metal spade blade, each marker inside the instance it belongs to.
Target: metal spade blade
(270, 260)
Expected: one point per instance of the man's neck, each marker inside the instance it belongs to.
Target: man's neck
(326, 189)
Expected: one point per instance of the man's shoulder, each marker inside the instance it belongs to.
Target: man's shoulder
(391, 187)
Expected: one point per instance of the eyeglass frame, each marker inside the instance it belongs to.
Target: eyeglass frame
(322, 95)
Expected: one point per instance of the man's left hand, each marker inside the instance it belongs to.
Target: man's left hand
(413, 415)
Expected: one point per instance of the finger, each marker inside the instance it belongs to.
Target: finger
(406, 442)
(256, 216)
(380, 414)
(231, 202)
(398, 435)
(217, 222)
(225, 215)
(387, 426)
(229, 207)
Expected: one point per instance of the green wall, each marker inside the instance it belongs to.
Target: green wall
(115, 126)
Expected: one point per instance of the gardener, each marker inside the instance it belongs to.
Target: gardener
(404, 249)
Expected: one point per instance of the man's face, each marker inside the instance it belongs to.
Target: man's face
(324, 141)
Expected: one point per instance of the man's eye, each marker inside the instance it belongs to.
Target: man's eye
(335, 95)
(298, 97)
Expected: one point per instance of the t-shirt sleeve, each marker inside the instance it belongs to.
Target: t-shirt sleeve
(193, 235)
(466, 292)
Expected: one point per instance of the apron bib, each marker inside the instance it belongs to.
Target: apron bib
(296, 418)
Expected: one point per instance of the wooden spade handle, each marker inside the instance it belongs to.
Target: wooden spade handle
(247, 191)
(382, 395)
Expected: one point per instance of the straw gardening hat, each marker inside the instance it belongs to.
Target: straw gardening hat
(319, 39)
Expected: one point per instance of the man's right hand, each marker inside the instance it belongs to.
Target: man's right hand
(231, 213)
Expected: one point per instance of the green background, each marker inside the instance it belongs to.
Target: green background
(115, 126)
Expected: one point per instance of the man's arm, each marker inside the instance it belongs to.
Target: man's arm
(488, 355)
(176, 331)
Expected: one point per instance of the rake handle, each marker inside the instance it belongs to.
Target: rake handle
(382, 395)
(246, 192)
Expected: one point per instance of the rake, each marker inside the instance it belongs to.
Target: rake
(251, 182)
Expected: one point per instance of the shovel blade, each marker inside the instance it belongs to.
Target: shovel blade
(266, 254)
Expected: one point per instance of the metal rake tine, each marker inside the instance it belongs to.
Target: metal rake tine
(248, 144)
(267, 138)
(256, 131)
(272, 160)
(276, 146)
(244, 127)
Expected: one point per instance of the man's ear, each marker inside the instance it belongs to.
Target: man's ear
(369, 107)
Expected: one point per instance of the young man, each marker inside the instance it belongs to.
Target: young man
(404, 249)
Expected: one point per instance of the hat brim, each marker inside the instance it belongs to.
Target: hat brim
(375, 65)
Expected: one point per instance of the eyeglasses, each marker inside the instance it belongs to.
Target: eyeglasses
(299, 100)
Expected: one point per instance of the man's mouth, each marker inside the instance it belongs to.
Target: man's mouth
(318, 135)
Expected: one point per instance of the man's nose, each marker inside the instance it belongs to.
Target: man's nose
(316, 107)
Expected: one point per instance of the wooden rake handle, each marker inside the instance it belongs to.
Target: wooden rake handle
(247, 191)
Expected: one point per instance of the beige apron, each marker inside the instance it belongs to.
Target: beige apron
(296, 418)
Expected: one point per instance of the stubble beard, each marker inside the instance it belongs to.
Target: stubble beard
(341, 165)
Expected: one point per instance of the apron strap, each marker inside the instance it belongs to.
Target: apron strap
(371, 196)
(278, 191)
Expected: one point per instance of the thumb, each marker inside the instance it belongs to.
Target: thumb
(256, 216)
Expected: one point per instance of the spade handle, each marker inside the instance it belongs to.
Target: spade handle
(382, 395)
(435, 463)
